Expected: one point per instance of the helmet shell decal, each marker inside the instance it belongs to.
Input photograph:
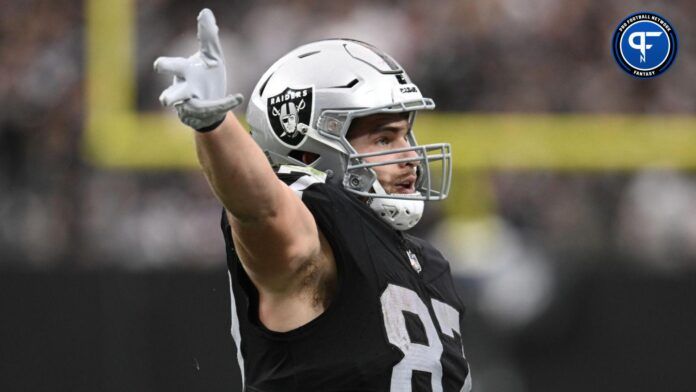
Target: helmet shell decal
(290, 114)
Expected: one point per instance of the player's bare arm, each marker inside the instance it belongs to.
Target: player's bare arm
(277, 239)
(275, 235)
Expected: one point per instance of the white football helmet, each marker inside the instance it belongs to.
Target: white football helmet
(306, 101)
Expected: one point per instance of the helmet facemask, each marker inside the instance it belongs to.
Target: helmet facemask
(433, 161)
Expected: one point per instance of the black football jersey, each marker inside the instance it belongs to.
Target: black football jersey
(394, 322)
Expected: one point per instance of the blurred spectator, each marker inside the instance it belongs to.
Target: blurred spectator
(657, 220)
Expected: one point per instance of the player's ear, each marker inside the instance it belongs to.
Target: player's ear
(309, 157)
(305, 157)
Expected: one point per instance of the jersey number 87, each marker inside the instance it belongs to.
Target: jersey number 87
(421, 357)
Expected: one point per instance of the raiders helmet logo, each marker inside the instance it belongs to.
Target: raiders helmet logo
(290, 114)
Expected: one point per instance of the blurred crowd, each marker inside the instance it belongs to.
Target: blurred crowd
(541, 56)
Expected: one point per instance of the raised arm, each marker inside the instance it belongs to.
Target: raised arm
(275, 234)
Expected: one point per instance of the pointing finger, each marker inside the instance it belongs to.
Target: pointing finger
(208, 35)
(171, 65)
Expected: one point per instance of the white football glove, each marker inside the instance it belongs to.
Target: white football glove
(199, 89)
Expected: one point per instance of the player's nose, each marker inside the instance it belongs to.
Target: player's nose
(412, 154)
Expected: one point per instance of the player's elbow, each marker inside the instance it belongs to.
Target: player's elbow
(258, 216)
(258, 208)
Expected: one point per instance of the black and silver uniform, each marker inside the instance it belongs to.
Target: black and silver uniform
(394, 323)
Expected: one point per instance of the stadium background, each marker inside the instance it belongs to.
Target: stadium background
(571, 225)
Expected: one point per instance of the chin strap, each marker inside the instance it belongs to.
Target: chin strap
(401, 214)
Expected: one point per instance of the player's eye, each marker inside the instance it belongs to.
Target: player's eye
(382, 141)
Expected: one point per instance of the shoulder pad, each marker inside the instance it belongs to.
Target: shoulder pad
(318, 175)
(301, 177)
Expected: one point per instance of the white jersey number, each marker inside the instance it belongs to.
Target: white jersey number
(395, 301)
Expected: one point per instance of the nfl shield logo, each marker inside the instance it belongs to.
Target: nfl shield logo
(290, 113)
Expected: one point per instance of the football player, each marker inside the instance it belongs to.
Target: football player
(328, 292)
